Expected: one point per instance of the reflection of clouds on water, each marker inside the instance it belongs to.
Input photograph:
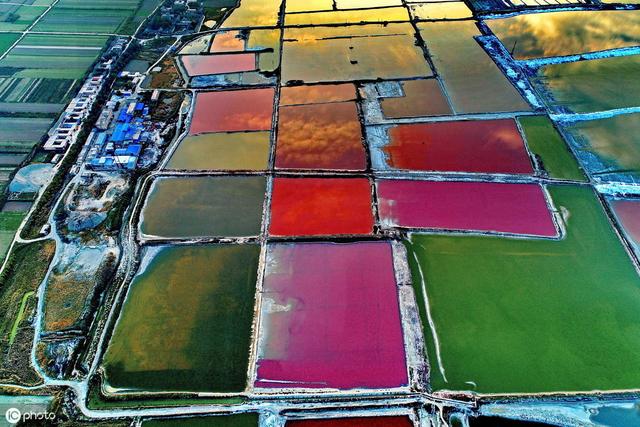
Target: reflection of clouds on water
(348, 53)
(254, 13)
(237, 110)
(614, 139)
(566, 33)
(321, 135)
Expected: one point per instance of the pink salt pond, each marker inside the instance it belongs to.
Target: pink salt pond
(202, 65)
(330, 318)
(466, 206)
(233, 111)
(628, 213)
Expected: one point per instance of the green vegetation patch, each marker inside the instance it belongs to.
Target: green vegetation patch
(240, 420)
(38, 60)
(64, 40)
(186, 322)
(20, 134)
(36, 91)
(9, 223)
(525, 315)
(98, 16)
(94, 20)
(25, 269)
(17, 17)
(546, 143)
(7, 40)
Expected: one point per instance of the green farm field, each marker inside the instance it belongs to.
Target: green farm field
(113, 17)
(526, 316)
(64, 40)
(17, 17)
(36, 91)
(38, 62)
(7, 40)
(22, 130)
(9, 223)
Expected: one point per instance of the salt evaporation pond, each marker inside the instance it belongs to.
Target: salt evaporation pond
(367, 52)
(254, 13)
(473, 81)
(204, 206)
(563, 313)
(320, 136)
(553, 155)
(538, 35)
(465, 206)
(440, 11)
(627, 212)
(321, 206)
(222, 151)
(593, 85)
(609, 147)
(232, 111)
(200, 65)
(480, 146)
(314, 94)
(186, 322)
(330, 318)
(332, 17)
(421, 98)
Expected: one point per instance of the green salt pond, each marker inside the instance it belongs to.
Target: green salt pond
(186, 321)
(594, 85)
(526, 315)
(545, 142)
(204, 206)
(611, 145)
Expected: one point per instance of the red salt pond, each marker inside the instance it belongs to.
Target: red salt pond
(320, 136)
(200, 65)
(232, 111)
(472, 206)
(354, 422)
(315, 94)
(330, 318)
(628, 213)
(321, 206)
(479, 146)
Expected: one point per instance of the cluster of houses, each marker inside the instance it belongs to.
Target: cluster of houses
(68, 127)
